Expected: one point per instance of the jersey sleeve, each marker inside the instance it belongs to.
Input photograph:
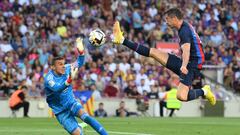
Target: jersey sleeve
(79, 62)
(185, 36)
(55, 85)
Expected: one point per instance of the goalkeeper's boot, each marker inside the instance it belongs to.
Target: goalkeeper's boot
(82, 126)
(118, 37)
(80, 46)
(209, 95)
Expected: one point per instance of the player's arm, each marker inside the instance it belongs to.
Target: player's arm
(72, 69)
(185, 40)
(80, 53)
(186, 54)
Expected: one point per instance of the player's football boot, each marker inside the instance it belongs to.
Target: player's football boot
(118, 37)
(209, 95)
(83, 125)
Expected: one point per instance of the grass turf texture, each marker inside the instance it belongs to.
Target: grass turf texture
(131, 126)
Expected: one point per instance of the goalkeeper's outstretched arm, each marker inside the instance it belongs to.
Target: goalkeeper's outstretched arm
(80, 51)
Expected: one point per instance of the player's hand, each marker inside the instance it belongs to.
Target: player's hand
(80, 46)
(184, 70)
(74, 72)
(69, 80)
(72, 75)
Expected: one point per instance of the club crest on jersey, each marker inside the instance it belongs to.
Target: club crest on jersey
(51, 83)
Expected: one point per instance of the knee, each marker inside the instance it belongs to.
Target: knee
(181, 96)
(81, 113)
(153, 52)
(77, 132)
(84, 117)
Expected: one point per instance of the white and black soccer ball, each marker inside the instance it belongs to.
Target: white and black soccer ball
(97, 37)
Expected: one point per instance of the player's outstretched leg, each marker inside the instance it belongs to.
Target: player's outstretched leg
(78, 131)
(92, 122)
(119, 39)
(184, 94)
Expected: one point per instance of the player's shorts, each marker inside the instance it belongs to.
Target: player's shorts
(174, 63)
(67, 118)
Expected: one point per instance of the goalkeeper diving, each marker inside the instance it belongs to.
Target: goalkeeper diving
(59, 94)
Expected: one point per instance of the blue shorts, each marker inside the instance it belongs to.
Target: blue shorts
(67, 117)
(174, 63)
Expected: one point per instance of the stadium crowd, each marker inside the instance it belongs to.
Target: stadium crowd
(32, 32)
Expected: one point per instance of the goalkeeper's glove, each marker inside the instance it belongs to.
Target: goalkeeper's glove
(72, 75)
(80, 46)
(74, 72)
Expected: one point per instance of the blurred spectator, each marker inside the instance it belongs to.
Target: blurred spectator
(88, 81)
(143, 87)
(149, 25)
(137, 20)
(96, 94)
(128, 90)
(228, 76)
(124, 65)
(168, 35)
(153, 94)
(143, 105)
(141, 76)
(145, 99)
(62, 30)
(169, 99)
(17, 100)
(170, 102)
(111, 90)
(34, 91)
(100, 83)
(76, 12)
(100, 112)
(122, 111)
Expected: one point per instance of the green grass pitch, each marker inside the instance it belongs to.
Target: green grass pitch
(127, 126)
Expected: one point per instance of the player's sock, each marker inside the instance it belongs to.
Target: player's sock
(143, 50)
(195, 93)
(94, 124)
(81, 130)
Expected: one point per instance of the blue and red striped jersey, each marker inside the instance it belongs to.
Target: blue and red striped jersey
(187, 34)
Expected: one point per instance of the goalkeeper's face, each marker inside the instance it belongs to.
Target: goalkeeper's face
(59, 67)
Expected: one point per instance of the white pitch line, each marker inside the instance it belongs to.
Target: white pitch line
(55, 130)
(120, 133)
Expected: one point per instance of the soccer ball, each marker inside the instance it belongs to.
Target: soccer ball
(97, 37)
